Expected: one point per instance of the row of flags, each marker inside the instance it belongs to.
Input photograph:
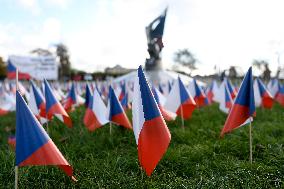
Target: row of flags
(150, 109)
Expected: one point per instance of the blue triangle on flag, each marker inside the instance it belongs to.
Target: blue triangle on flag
(245, 95)
(30, 135)
(49, 97)
(150, 108)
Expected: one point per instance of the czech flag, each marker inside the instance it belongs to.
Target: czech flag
(37, 103)
(33, 146)
(262, 95)
(280, 95)
(88, 96)
(167, 115)
(243, 108)
(125, 102)
(197, 93)
(53, 107)
(115, 111)
(71, 99)
(151, 132)
(210, 92)
(179, 98)
(226, 100)
(231, 89)
(273, 87)
(11, 72)
(122, 92)
(95, 113)
(7, 102)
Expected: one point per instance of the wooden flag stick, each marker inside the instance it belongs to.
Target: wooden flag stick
(110, 124)
(182, 120)
(47, 128)
(16, 167)
(16, 176)
(250, 142)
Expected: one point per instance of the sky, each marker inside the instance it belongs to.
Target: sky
(104, 33)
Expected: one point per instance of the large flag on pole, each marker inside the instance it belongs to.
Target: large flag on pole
(33, 145)
(151, 132)
(243, 108)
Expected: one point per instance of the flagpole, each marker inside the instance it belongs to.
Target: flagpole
(250, 142)
(47, 129)
(110, 127)
(16, 167)
(182, 120)
(16, 176)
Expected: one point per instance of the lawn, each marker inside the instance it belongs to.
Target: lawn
(196, 157)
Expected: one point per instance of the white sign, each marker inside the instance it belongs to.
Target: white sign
(39, 67)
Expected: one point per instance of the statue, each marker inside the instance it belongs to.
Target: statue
(154, 32)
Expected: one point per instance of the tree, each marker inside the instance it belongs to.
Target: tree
(2, 69)
(262, 65)
(185, 58)
(65, 65)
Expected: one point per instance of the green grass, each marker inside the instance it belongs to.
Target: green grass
(196, 157)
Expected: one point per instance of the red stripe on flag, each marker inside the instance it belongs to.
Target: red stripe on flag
(237, 116)
(48, 154)
(280, 98)
(121, 119)
(168, 116)
(153, 142)
(187, 109)
(267, 101)
(91, 121)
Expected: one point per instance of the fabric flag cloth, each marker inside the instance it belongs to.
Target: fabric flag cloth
(37, 103)
(151, 132)
(115, 111)
(180, 101)
(197, 93)
(122, 92)
(33, 146)
(243, 108)
(71, 100)
(7, 102)
(11, 72)
(225, 99)
(167, 115)
(262, 95)
(211, 92)
(169, 87)
(88, 96)
(231, 88)
(273, 87)
(279, 97)
(54, 108)
(95, 113)
(125, 102)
